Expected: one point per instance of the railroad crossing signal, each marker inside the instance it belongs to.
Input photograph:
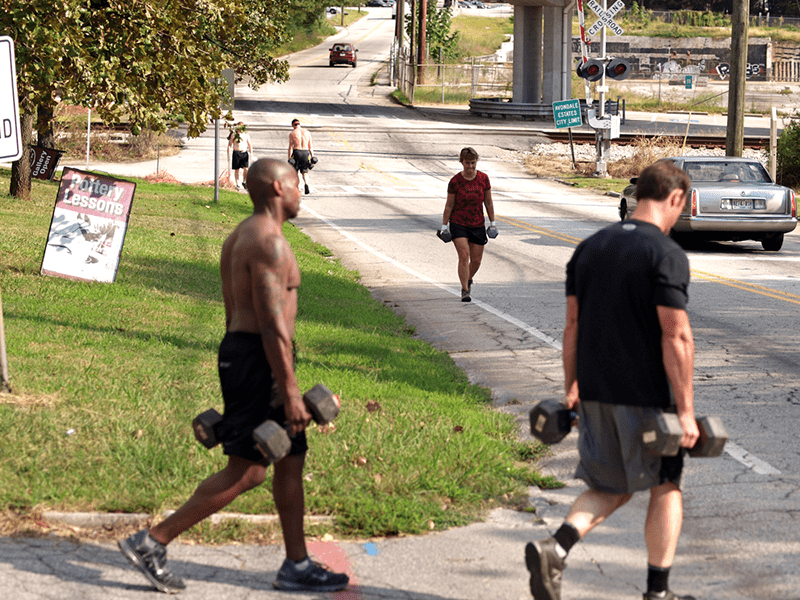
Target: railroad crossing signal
(605, 17)
(593, 69)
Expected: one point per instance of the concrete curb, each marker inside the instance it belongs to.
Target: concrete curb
(89, 520)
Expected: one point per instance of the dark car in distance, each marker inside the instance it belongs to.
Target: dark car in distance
(731, 199)
(343, 53)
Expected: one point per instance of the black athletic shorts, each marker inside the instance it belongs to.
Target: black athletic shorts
(474, 235)
(248, 388)
(302, 160)
(240, 160)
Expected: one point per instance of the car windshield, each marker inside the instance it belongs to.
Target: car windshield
(726, 171)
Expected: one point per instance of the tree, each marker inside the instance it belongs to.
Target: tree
(437, 30)
(151, 63)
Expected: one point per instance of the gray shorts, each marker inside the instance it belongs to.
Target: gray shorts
(612, 458)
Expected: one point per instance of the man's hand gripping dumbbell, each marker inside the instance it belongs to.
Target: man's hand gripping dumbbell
(271, 439)
(551, 421)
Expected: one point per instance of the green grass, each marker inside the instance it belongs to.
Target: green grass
(128, 365)
(316, 34)
(479, 36)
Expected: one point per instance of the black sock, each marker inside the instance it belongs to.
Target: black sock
(567, 536)
(657, 578)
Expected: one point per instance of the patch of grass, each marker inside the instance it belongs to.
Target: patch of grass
(479, 36)
(316, 34)
(107, 378)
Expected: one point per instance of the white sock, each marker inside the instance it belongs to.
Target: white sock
(303, 564)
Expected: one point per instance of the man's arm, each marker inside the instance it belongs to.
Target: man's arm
(569, 353)
(271, 302)
(677, 346)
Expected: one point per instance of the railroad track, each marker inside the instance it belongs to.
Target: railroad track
(694, 141)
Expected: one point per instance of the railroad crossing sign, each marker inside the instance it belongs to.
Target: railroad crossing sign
(605, 17)
(10, 134)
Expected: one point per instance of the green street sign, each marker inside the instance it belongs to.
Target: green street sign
(567, 113)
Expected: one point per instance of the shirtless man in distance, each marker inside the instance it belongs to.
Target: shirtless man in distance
(260, 277)
(240, 149)
(300, 151)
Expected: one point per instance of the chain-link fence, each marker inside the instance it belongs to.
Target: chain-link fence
(434, 82)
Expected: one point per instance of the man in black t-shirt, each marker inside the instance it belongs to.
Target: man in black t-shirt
(628, 353)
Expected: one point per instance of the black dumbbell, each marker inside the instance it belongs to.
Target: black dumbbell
(551, 421)
(319, 400)
(662, 436)
(273, 441)
(204, 426)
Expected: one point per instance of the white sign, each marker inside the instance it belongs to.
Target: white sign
(10, 134)
(87, 231)
(605, 17)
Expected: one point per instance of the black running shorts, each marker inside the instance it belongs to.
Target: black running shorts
(474, 235)
(248, 388)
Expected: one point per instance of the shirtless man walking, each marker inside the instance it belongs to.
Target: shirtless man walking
(240, 149)
(260, 277)
(300, 150)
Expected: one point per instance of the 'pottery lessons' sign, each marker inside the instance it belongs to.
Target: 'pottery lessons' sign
(88, 228)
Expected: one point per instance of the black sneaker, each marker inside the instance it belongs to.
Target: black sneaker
(150, 557)
(667, 596)
(308, 189)
(314, 578)
(546, 569)
(465, 297)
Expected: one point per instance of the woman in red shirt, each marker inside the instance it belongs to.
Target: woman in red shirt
(467, 193)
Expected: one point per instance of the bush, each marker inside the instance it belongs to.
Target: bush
(788, 167)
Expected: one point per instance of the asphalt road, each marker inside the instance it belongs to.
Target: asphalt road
(378, 194)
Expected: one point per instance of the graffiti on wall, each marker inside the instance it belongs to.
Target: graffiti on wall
(752, 70)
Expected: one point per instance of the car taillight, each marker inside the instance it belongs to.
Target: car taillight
(694, 203)
(793, 200)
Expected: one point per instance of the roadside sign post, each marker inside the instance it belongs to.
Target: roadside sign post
(10, 131)
(567, 114)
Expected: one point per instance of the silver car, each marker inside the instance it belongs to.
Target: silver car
(730, 199)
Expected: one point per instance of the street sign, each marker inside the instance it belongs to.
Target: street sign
(10, 134)
(567, 113)
(605, 17)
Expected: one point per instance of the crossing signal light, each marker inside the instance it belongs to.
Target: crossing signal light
(591, 70)
(618, 68)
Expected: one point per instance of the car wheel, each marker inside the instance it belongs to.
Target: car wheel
(623, 210)
(772, 243)
(354, 64)
(330, 64)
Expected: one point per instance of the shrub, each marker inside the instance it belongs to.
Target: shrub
(788, 167)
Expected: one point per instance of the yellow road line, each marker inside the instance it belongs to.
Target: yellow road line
(748, 287)
(546, 232)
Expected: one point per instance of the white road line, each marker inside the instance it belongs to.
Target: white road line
(456, 292)
(750, 461)
(734, 450)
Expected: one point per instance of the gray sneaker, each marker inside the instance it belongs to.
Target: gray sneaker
(465, 297)
(546, 569)
(314, 578)
(150, 557)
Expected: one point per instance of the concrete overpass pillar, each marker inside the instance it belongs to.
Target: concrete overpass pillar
(528, 40)
(556, 54)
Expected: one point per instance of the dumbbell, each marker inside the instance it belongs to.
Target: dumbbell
(662, 436)
(319, 400)
(551, 421)
(272, 439)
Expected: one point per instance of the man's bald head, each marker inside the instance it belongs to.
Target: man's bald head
(263, 174)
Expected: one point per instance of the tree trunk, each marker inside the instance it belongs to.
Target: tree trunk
(44, 127)
(21, 169)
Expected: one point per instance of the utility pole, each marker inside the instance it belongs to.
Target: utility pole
(734, 139)
(423, 26)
